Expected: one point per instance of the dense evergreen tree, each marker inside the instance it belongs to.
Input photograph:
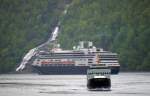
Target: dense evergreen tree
(120, 26)
(24, 24)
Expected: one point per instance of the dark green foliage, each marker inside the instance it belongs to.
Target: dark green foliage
(24, 24)
(121, 26)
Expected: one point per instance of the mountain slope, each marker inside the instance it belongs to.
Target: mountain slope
(121, 26)
(24, 24)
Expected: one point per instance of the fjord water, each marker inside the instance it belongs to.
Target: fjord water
(124, 84)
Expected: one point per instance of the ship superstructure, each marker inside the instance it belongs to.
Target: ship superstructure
(76, 61)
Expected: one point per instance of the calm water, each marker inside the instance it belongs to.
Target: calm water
(124, 84)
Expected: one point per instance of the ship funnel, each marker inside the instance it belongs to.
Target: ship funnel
(81, 43)
(90, 44)
(85, 44)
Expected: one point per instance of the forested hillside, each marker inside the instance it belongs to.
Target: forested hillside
(24, 24)
(120, 26)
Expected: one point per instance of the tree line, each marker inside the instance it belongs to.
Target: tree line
(120, 26)
(25, 24)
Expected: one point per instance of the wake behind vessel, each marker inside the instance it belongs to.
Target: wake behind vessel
(76, 61)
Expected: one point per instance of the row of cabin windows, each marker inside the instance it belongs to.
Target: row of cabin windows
(108, 57)
(51, 60)
(67, 57)
(90, 60)
(100, 73)
(60, 60)
(57, 64)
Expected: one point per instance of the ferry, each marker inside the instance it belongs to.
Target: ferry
(98, 78)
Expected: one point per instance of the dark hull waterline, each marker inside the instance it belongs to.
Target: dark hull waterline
(68, 70)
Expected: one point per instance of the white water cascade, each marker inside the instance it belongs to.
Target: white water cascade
(26, 58)
(34, 51)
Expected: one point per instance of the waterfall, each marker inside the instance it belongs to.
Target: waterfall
(26, 58)
(33, 52)
(54, 34)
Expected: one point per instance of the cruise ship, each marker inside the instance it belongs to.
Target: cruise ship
(57, 61)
